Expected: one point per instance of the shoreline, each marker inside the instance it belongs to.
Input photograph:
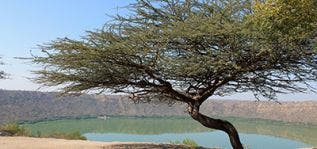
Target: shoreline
(52, 143)
(19, 142)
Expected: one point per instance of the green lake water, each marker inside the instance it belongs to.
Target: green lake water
(256, 134)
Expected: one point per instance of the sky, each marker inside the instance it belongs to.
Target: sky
(25, 24)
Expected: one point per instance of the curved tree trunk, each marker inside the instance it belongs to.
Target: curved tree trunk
(216, 124)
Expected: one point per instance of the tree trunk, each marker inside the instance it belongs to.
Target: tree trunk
(216, 124)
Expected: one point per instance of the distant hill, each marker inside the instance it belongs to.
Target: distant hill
(32, 105)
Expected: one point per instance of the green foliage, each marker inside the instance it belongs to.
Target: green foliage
(69, 136)
(187, 142)
(286, 19)
(190, 50)
(190, 143)
(17, 130)
(175, 142)
(14, 129)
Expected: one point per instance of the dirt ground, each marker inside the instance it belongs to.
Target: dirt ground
(50, 143)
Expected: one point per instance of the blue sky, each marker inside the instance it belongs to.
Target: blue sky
(28, 23)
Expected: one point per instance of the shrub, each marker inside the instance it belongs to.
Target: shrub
(69, 136)
(14, 129)
(187, 142)
(190, 142)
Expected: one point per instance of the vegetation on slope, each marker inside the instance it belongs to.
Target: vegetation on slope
(17, 106)
(14, 129)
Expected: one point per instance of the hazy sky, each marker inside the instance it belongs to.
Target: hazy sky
(28, 23)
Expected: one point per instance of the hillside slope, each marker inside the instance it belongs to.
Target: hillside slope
(31, 105)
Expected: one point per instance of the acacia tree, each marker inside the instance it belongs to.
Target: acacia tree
(188, 50)
(2, 73)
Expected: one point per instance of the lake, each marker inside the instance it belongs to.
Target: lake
(254, 133)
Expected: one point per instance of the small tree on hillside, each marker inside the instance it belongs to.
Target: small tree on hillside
(189, 50)
(2, 73)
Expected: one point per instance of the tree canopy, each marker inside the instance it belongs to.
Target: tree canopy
(189, 50)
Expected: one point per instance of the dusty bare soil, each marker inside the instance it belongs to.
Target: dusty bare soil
(50, 143)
